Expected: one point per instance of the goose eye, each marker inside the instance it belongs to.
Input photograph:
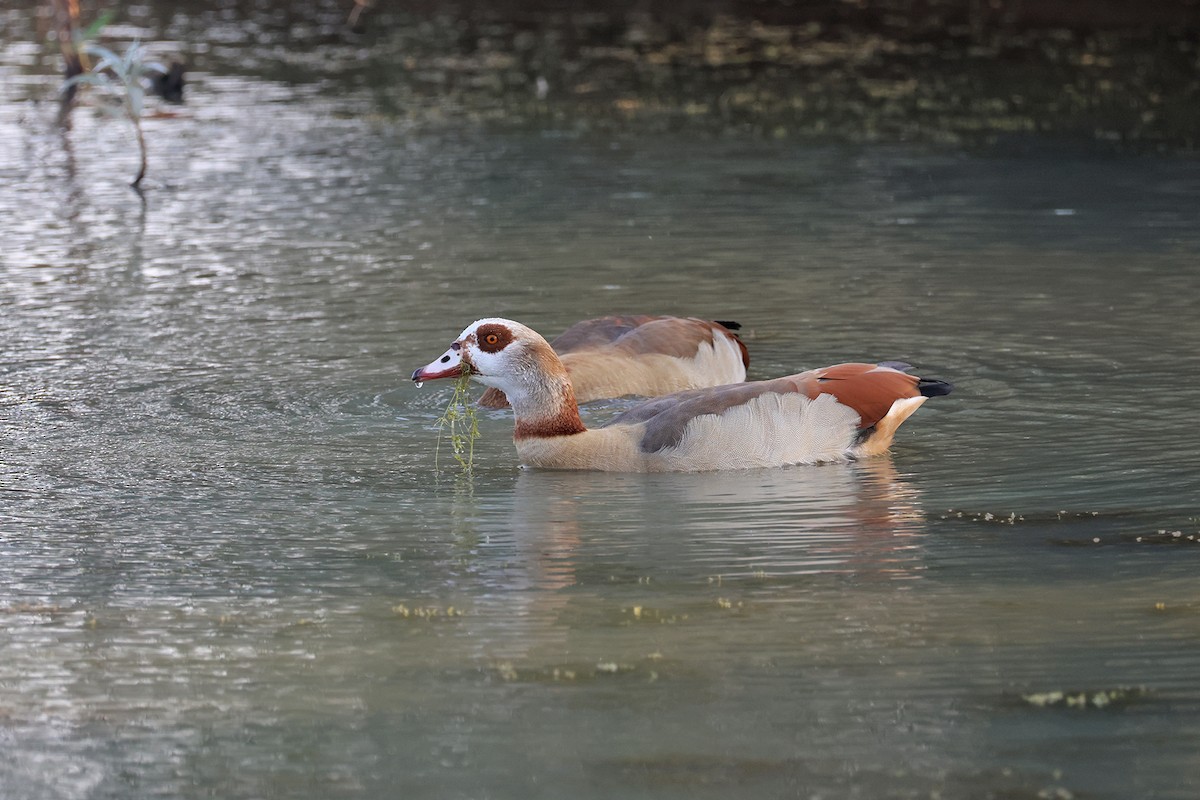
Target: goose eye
(493, 338)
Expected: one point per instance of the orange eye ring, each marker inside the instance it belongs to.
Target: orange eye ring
(491, 338)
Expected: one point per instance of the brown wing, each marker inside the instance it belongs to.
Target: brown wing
(868, 389)
(599, 332)
(493, 398)
(672, 336)
(675, 336)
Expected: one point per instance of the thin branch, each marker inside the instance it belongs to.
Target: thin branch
(66, 17)
(141, 140)
(355, 13)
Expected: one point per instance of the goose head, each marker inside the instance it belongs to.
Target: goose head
(508, 356)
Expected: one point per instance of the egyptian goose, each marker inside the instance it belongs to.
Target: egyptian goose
(838, 413)
(644, 355)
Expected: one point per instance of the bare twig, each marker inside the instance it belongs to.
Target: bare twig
(66, 17)
(355, 13)
(141, 140)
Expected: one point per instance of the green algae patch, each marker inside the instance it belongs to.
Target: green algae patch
(426, 613)
(1115, 697)
(646, 669)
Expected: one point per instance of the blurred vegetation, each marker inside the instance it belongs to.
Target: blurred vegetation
(947, 72)
(968, 71)
(120, 78)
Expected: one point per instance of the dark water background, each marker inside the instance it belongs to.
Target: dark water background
(229, 568)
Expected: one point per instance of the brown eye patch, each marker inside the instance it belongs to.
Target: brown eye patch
(493, 338)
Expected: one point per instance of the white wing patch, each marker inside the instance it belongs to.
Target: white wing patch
(722, 360)
(769, 431)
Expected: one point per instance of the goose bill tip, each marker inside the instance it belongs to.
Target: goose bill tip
(426, 374)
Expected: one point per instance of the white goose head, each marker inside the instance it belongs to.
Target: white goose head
(505, 354)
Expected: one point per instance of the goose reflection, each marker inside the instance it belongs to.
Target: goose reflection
(572, 553)
(860, 517)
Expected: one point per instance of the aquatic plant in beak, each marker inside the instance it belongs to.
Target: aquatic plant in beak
(460, 421)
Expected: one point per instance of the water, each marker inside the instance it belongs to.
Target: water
(229, 568)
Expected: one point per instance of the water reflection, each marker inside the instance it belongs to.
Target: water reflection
(560, 541)
(859, 517)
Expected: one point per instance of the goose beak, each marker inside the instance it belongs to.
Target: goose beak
(450, 365)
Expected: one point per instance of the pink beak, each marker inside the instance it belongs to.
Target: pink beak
(450, 365)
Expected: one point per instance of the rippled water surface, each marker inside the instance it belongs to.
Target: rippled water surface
(229, 568)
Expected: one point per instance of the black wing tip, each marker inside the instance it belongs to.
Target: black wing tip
(931, 387)
(729, 324)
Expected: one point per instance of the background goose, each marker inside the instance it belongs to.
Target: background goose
(644, 355)
(836, 413)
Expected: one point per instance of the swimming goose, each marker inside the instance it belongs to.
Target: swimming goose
(837, 413)
(644, 355)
